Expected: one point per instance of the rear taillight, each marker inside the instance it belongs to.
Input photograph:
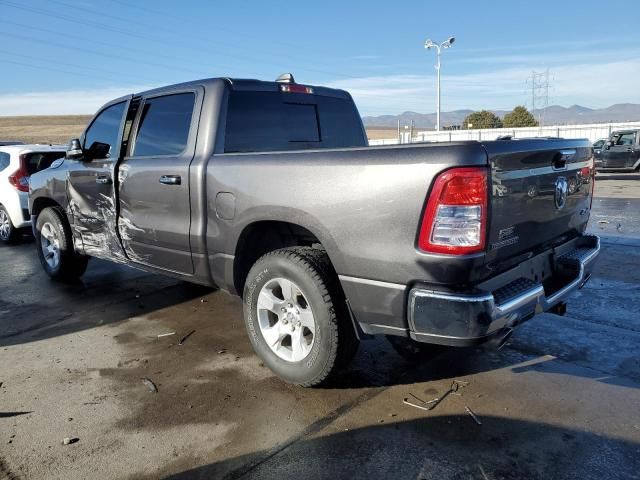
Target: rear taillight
(455, 220)
(593, 186)
(20, 178)
(588, 175)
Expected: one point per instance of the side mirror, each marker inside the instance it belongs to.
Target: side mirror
(97, 150)
(74, 151)
(610, 144)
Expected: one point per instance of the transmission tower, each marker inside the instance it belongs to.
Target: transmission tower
(539, 84)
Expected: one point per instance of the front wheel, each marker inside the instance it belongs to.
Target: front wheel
(55, 246)
(296, 315)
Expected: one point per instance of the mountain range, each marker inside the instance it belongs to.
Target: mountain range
(554, 115)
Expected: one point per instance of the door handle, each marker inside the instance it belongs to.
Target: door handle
(171, 179)
(103, 180)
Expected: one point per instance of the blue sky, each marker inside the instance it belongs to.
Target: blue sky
(70, 56)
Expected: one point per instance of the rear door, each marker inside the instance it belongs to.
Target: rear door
(541, 192)
(91, 183)
(623, 151)
(153, 180)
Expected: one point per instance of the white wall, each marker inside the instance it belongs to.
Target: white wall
(592, 131)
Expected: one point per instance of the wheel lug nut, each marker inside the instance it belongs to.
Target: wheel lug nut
(283, 309)
(285, 321)
(290, 305)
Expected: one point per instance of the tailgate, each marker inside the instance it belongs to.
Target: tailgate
(541, 194)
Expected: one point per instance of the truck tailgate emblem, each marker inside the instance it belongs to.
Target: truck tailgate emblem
(562, 190)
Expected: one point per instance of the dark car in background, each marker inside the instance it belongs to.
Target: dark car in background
(621, 152)
(598, 145)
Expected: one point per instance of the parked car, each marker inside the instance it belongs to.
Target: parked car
(621, 152)
(17, 163)
(269, 191)
(598, 145)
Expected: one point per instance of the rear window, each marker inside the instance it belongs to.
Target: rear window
(34, 162)
(5, 159)
(271, 121)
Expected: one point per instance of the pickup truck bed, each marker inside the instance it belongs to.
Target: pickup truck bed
(451, 243)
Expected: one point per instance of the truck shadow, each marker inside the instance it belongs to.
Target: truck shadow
(438, 447)
(379, 366)
(33, 307)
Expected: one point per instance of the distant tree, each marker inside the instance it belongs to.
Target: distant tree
(482, 119)
(520, 117)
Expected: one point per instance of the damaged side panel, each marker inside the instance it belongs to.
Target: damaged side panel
(91, 190)
(94, 222)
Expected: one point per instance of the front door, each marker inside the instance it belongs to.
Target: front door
(153, 181)
(91, 185)
(621, 153)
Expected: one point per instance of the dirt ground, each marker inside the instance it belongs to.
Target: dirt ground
(43, 129)
(560, 401)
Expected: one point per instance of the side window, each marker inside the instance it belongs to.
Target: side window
(164, 125)
(105, 127)
(5, 159)
(626, 139)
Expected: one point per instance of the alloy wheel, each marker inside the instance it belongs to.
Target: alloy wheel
(286, 320)
(5, 226)
(50, 245)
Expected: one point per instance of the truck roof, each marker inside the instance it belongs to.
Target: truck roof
(247, 84)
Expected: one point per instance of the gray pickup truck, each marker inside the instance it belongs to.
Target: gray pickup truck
(270, 191)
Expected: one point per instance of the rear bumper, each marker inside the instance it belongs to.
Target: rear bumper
(16, 203)
(465, 320)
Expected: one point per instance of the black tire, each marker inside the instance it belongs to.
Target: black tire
(70, 265)
(334, 341)
(9, 234)
(415, 352)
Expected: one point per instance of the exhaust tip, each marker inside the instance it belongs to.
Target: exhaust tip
(505, 338)
(500, 339)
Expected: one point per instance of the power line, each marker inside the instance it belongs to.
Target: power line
(286, 46)
(104, 54)
(190, 46)
(539, 83)
(48, 68)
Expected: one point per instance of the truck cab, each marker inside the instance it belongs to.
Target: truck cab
(620, 152)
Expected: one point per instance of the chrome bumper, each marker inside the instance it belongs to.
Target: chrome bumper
(461, 320)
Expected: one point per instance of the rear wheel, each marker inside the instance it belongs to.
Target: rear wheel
(296, 316)
(55, 246)
(8, 233)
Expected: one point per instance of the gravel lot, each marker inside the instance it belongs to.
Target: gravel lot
(560, 401)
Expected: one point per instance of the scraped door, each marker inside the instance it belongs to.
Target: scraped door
(90, 185)
(155, 213)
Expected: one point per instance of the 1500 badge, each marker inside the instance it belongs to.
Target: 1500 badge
(506, 237)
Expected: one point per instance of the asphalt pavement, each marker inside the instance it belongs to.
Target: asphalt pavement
(80, 361)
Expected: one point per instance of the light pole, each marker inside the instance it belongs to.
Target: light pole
(429, 44)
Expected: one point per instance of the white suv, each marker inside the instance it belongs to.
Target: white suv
(17, 164)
